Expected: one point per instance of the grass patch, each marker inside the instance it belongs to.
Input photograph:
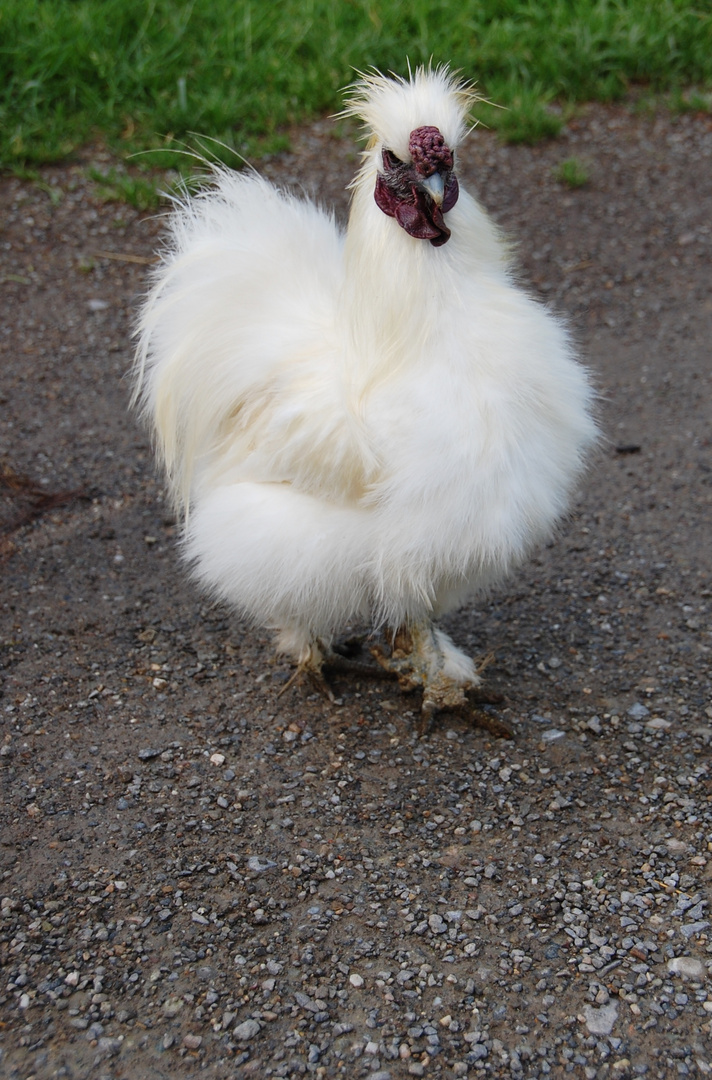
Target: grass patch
(115, 185)
(572, 172)
(145, 73)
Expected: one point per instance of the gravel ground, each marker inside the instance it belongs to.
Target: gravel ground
(202, 878)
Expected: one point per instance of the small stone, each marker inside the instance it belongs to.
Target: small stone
(552, 735)
(168, 1040)
(217, 759)
(172, 1006)
(109, 1045)
(246, 1030)
(687, 966)
(600, 1021)
(690, 930)
(72, 978)
(355, 979)
(192, 1042)
(259, 865)
(657, 724)
(638, 711)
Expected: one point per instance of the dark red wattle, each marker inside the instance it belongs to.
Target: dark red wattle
(416, 212)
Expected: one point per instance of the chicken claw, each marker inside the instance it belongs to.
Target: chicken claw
(425, 658)
(311, 668)
(322, 659)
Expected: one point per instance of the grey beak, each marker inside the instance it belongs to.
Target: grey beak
(435, 187)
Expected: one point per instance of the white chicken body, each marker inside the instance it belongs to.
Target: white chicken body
(358, 426)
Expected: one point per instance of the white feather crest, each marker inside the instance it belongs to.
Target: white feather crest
(391, 107)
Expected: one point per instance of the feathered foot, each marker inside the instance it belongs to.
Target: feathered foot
(425, 658)
(310, 666)
(319, 659)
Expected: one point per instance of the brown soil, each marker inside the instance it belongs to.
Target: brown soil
(202, 878)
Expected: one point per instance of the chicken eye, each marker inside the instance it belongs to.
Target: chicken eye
(390, 161)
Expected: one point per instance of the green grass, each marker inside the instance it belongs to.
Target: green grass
(117, 185)
(572, 172)
(145, 73)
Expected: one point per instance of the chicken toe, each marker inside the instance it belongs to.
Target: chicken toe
(423, 657)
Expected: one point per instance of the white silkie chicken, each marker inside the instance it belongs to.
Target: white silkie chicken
(370, 425)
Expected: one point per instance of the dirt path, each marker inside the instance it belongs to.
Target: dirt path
(201, 878)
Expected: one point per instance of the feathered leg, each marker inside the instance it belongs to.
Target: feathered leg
(316, 658)
(425, 658)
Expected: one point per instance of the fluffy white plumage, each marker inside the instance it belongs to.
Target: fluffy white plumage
(358, 426)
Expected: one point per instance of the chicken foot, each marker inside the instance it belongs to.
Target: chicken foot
(421, 658)
(322, 659)
(425, 658)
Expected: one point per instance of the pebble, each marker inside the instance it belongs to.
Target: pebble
(687, 966)
(355, 979)
(258, 865)
(246, 1030)
(638, 711)
(192, 1042)
(148, 753)
(109, 1045)
(600, 1021)
(690, 930)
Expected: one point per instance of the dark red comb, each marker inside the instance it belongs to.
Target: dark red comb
(428, 150)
